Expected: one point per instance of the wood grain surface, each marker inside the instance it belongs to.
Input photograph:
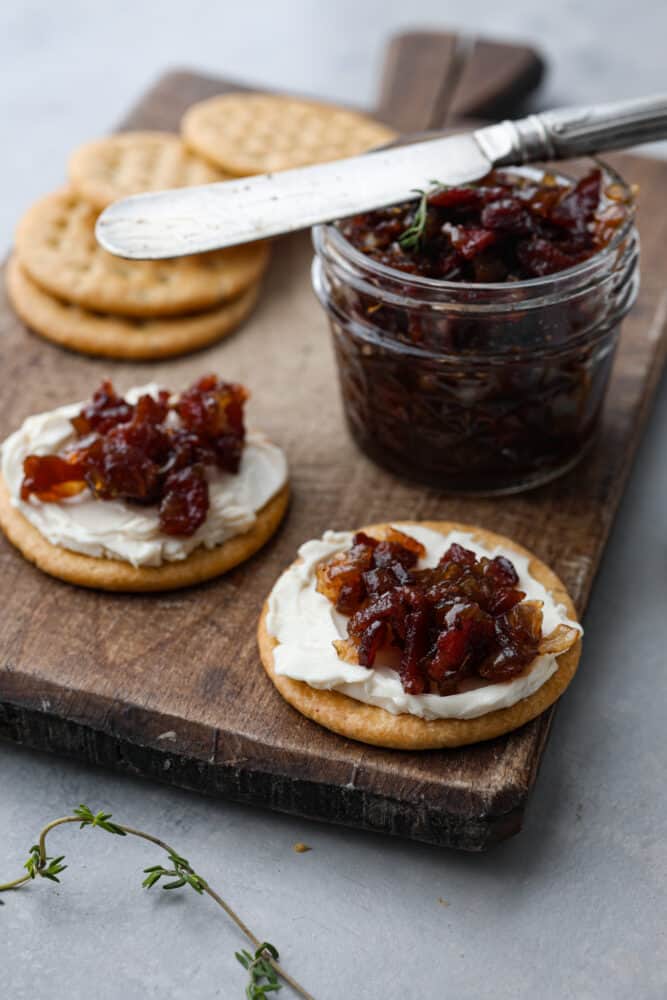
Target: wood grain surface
(170, 687)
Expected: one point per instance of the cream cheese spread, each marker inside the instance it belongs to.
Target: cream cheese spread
(306, 623)
(119, 530)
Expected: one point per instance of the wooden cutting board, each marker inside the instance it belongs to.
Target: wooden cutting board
(170, 687)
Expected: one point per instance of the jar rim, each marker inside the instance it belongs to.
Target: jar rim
(530, 285)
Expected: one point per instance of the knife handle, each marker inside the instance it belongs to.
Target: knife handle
(572, 132)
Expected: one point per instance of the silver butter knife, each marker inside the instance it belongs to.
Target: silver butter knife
(191, 220)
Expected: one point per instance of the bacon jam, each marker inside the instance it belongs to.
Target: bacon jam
(475, 328)
(508, 227)
(462, 623)
(153, 453)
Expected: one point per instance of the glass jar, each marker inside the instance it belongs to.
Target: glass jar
(476, 388)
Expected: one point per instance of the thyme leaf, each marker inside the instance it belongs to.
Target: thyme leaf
(182, 873)
(262, 974)
(46, 868)
(100, 819)
(412, 237)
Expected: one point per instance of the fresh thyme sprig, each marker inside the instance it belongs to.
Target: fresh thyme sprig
(413, 235)
(262, 966)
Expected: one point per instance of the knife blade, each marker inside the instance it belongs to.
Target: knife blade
(212, 216)
(193, 220)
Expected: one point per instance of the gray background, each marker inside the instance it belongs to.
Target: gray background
(573, 907)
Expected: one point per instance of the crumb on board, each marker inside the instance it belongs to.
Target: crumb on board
(301, 848)
(443, 902)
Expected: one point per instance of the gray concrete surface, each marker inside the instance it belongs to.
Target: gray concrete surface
(572, 908)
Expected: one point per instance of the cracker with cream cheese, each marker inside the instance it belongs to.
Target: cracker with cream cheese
(375, 725)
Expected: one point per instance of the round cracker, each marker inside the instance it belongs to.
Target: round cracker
(114, 574)
(126, 338)
(130, 163)
(374, 725)
(258, 133)
(55, 243)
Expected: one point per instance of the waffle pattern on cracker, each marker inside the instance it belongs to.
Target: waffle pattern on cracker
(257, 133)
(132, 162)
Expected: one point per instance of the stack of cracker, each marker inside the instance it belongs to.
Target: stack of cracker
(65, 287)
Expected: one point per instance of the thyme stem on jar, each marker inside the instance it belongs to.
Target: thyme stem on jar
(263, 967)
(411, 238)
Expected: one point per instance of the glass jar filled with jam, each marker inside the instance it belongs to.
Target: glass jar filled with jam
(475, 327)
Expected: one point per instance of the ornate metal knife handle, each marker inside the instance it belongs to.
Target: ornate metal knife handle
(572, 132)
